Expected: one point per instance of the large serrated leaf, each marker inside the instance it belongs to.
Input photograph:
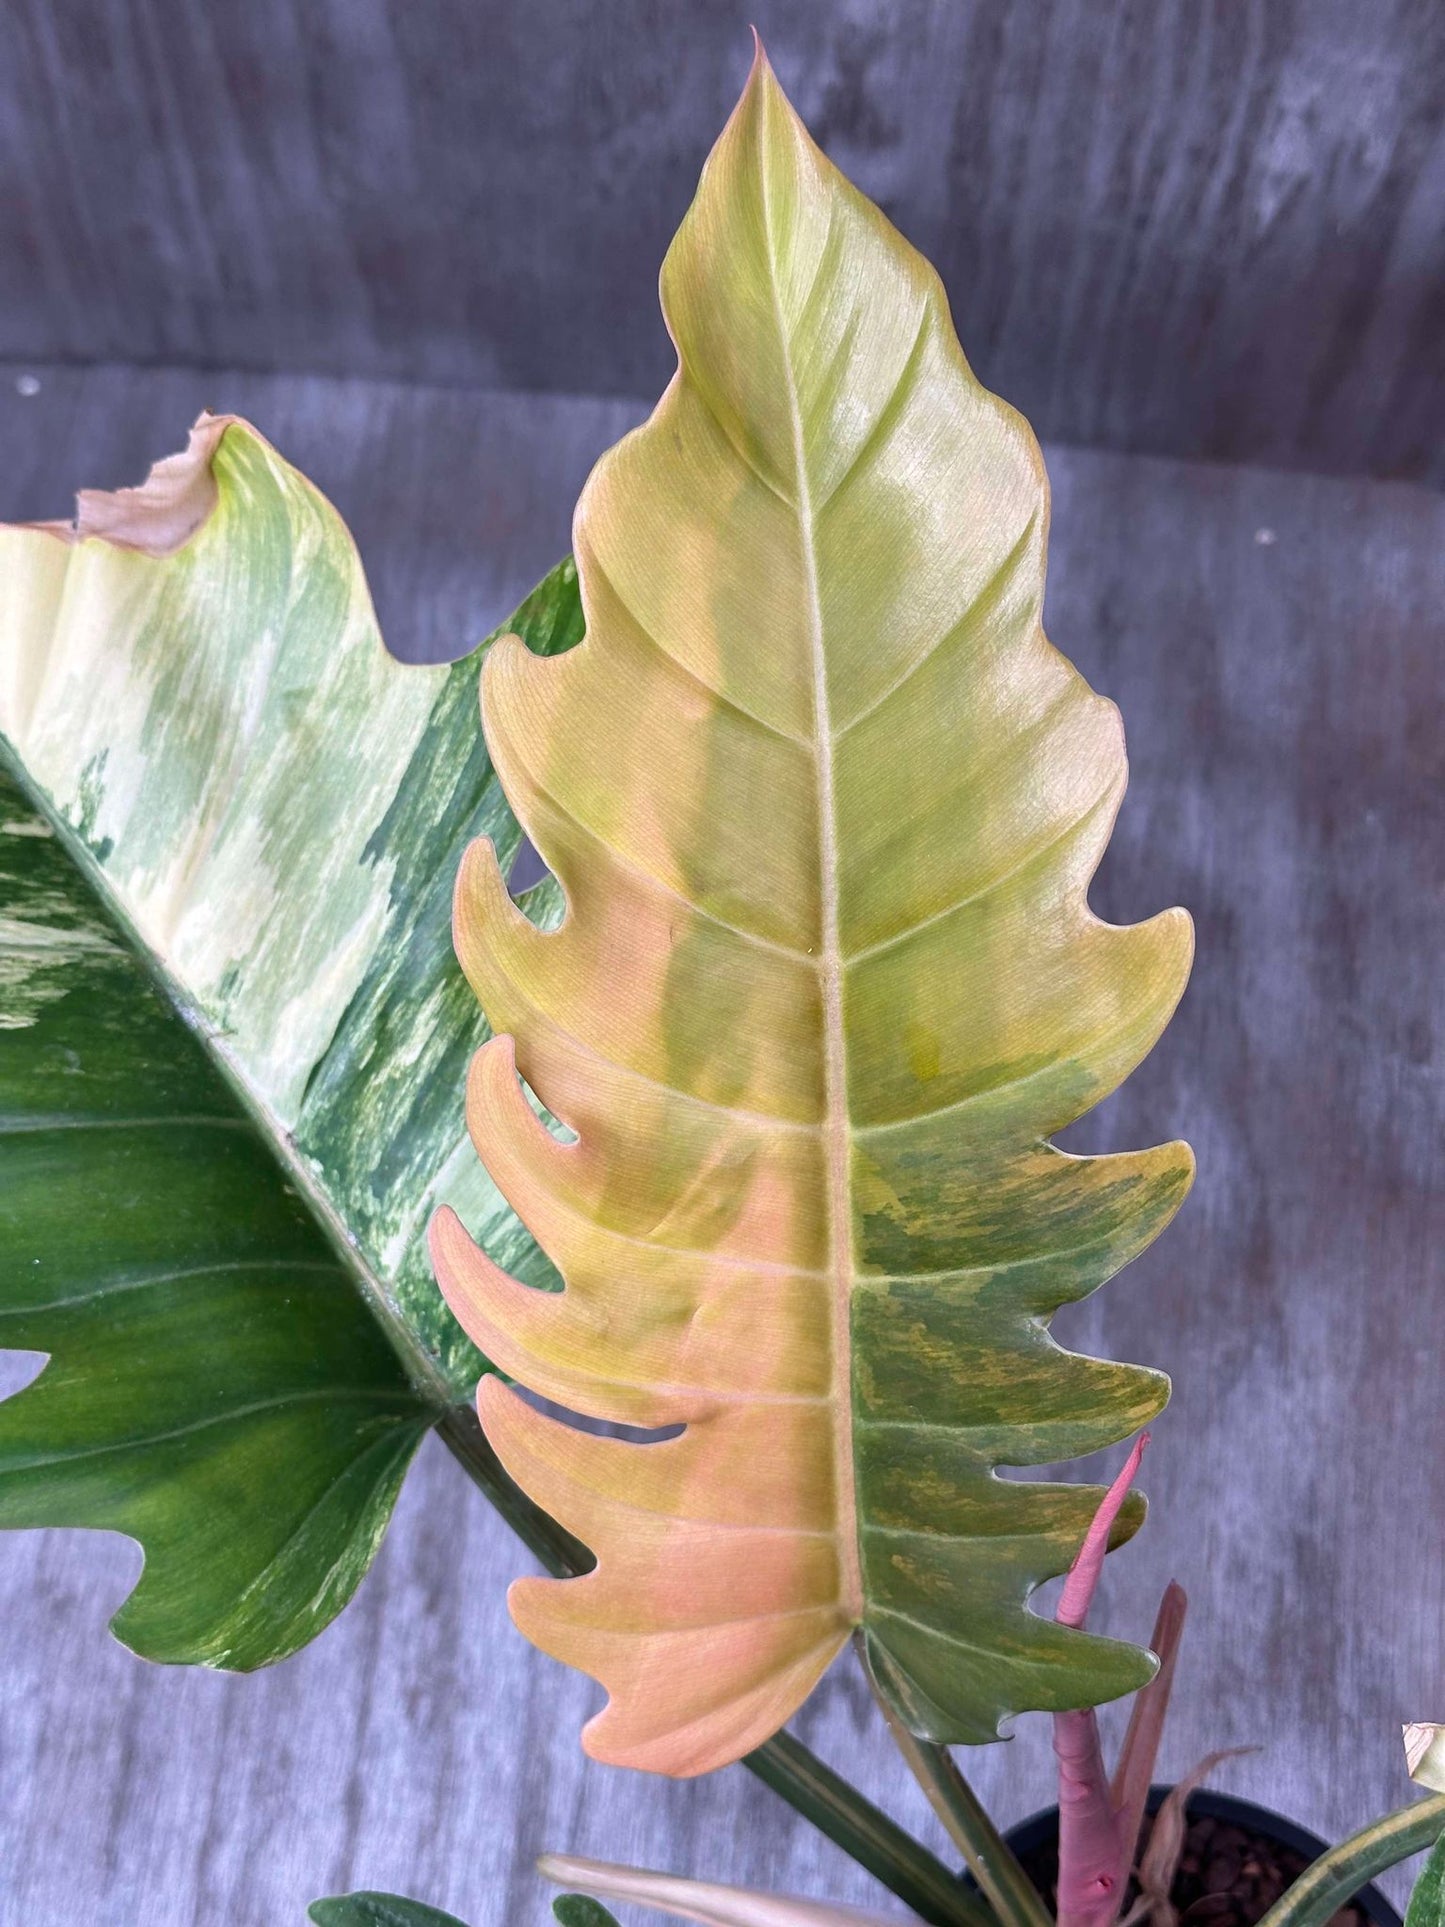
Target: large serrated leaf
(231, 1031)
(825, 804)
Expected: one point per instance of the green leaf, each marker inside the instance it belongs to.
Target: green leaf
(825, 804)
(378, 1910)
(232, 1035)
(1427, 1900)
(580, 1910)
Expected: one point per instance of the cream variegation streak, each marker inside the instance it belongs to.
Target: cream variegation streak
(701, 1900)
(824, 804)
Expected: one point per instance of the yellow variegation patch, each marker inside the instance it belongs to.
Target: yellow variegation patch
(825, 804)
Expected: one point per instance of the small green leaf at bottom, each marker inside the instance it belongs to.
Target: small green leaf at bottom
(578, 1910)
(1427, 1902)
(378, 1910)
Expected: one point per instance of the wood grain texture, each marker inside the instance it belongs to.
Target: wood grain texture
(1276, 645)
(1194, 227)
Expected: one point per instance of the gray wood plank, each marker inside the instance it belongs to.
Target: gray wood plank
(1275, 643)
(1193, 227)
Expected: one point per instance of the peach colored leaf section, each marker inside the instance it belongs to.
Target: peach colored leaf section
(824, 804)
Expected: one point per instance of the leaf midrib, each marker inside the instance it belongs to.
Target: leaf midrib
(836, 1124)
(171, 1275)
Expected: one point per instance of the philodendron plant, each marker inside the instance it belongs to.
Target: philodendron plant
(763, 1076)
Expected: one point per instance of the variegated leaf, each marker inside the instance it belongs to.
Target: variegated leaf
(231, 1031)
(824, 803)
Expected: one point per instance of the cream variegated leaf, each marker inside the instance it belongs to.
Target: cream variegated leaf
(231, 1031)
(824, 803)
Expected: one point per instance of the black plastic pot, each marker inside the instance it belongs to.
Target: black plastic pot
(1040, 1828)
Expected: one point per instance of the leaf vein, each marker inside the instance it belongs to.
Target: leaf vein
(985, 595)
(330, 1396)
(887, 415)
(685, 669)
(994, 884)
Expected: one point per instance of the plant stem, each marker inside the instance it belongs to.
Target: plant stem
(992, 1861)
(563, 1556)
(1338, 1875)
(994, 1864)
(918, 1878)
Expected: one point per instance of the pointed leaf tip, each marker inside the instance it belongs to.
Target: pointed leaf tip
(762, 89)
(762, 68)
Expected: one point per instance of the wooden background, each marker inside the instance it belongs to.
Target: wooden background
(1193, 227)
